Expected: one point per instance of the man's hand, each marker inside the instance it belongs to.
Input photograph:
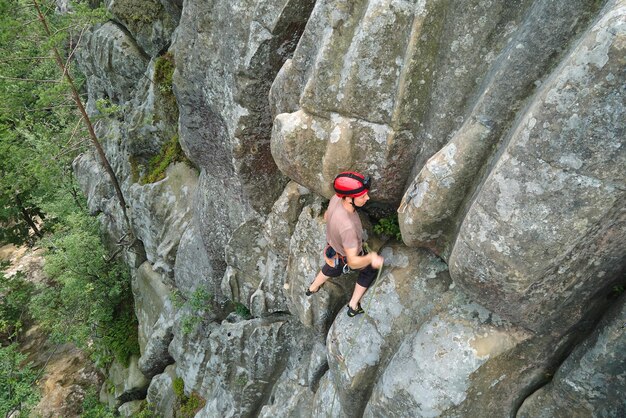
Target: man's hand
(376, 260)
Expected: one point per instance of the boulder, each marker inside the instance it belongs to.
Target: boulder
(161, 212)
(257, 255)
(224, 110)
(150, 22)
(431, 207)
(112, 63)
(541, 244)
(161, 396)
(592, 380)
(155, 314)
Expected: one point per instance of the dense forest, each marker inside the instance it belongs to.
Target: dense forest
(86, 299)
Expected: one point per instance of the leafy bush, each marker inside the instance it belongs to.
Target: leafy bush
(389, 226)
(89, 301)
(15, 292)
(92, 408)
(198, 303)
(188, 405)
(17, 389)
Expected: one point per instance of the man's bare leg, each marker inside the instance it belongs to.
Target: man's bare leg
(320, 279)
(358, 293)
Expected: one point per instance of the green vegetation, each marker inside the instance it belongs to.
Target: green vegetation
(87, 298)
(92, 408)
(389, 226)
(15, 294)
(242, 310)
(137, 11)
(163, 73)
(90, 300)
(188, 406)
(198, 303)
(171, 152)
(17, 390)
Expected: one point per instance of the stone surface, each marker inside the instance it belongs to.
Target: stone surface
(155, 313)
(257, 255)
(431, 205)
(520, 105)
(591, 382)
(226, 125)
(128, 383)
(150, 22)
(112, 63)
(161, 223)
(542, 241)
(161, 394)
(234, 365)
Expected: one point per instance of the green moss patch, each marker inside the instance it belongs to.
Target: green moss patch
(171, 152)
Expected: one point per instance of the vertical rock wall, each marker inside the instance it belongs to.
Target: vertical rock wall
(497, 130)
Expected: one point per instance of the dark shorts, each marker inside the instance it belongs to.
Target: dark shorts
(367, 274)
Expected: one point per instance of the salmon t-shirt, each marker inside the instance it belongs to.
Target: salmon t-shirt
(343, 228)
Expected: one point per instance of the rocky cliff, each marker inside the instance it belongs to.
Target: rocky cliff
(495, 129)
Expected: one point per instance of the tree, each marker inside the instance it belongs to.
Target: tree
(17, 392)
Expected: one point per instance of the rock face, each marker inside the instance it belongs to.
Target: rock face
(543, 238)
(580, 390)
(496, 130)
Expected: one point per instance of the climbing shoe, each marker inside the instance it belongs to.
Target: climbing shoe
(309, 293)
(355, 312)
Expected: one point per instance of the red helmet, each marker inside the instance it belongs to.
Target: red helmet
(351, 184)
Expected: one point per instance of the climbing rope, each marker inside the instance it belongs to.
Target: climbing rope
(343, 358)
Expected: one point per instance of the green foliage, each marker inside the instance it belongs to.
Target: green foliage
(188, 405)
(171, 152)
(17, 390)
(179, 387)
(163, 73)
(92, 408)
(389, 226)
(90, 301)
(147, 411)
(15, 293)
(108, 109)
(198, 303)
(39, 133)
(242, 310)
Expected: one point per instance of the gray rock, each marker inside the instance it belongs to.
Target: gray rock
(193, 269)
(130, 409)
(150, 22)
(234, 365)
(161, 396)
(541, 242)
(226, 124)
(128, 382)
(155, 313)
(431, 205)
(412, 285)
(591, 382)
(257, 255)
(112, 63)
(432, 369)
(161, 212)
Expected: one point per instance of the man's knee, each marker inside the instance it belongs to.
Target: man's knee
(367, 276)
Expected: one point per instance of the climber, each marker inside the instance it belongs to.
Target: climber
(344, 237)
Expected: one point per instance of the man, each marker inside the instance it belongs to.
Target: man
(344, 235)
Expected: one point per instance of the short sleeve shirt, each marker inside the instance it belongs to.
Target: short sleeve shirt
(343, 228)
